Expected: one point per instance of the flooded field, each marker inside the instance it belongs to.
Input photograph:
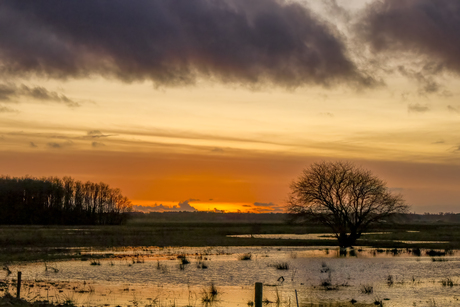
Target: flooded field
(225, 276)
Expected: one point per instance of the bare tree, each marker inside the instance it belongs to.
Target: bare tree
(344, 197)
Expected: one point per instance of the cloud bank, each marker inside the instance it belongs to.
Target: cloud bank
(174, 42)
(182, 206)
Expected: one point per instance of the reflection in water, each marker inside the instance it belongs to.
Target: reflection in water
(183, 277)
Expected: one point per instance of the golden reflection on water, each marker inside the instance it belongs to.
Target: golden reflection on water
(159, 277)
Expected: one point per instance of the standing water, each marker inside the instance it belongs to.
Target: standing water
(225, 276)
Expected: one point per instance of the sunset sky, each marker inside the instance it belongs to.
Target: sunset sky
(220, 104)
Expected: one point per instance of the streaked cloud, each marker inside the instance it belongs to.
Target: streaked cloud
(57, 145)
(264, 204)
(453, 109)
(417, 108)
(96, 134)
(10, 92)
(4, 109)
(97, 144)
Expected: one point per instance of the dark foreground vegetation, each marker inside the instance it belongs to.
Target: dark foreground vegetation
(9, 300)
(55, 201)
(23, 243)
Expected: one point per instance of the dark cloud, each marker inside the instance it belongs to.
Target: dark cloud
(264, 204)
(9, 92)
(174, 42)
(182, 206)
(417, 108)
(32, 144)
(419, 27)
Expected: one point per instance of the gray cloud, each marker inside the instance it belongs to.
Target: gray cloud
(96, 134)
(427, 84)
(9, 92)
(337, 11)
(174, 42)
(32, 144)
(264, 204)
(419, 27)
(182, 206)
(417, 108)
(59, 145)
(97, 144)
(54, 145)
(4, 109)
(453, 109)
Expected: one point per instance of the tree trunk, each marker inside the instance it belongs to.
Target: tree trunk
(346, 240)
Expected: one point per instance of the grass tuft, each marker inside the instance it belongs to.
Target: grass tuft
(280, 265)
(247, 256)
(447, 282)
(367, 289)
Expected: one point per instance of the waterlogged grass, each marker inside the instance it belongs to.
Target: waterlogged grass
(28, 243)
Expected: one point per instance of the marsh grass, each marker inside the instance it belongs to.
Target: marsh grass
(95, 262)
(367, 289)
(209, 295)
(201, 265)
(279, 265)
(447, 282)
(390, 280)
(6, 269)
(439, 259)
(378, 302)
(9, 300)
(183, 259)
(41, 241)
(244, 257)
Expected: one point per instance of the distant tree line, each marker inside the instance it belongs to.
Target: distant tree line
(55, 201)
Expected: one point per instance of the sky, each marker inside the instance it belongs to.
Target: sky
(219, 105)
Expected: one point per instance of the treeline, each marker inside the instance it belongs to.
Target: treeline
(55, 201)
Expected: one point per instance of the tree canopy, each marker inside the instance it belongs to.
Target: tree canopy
(344, 197)
(60, 201)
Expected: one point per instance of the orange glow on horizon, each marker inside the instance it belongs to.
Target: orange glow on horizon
(209, 206)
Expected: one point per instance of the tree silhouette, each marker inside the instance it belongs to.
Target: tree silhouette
(344, 197)
(60, 201)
